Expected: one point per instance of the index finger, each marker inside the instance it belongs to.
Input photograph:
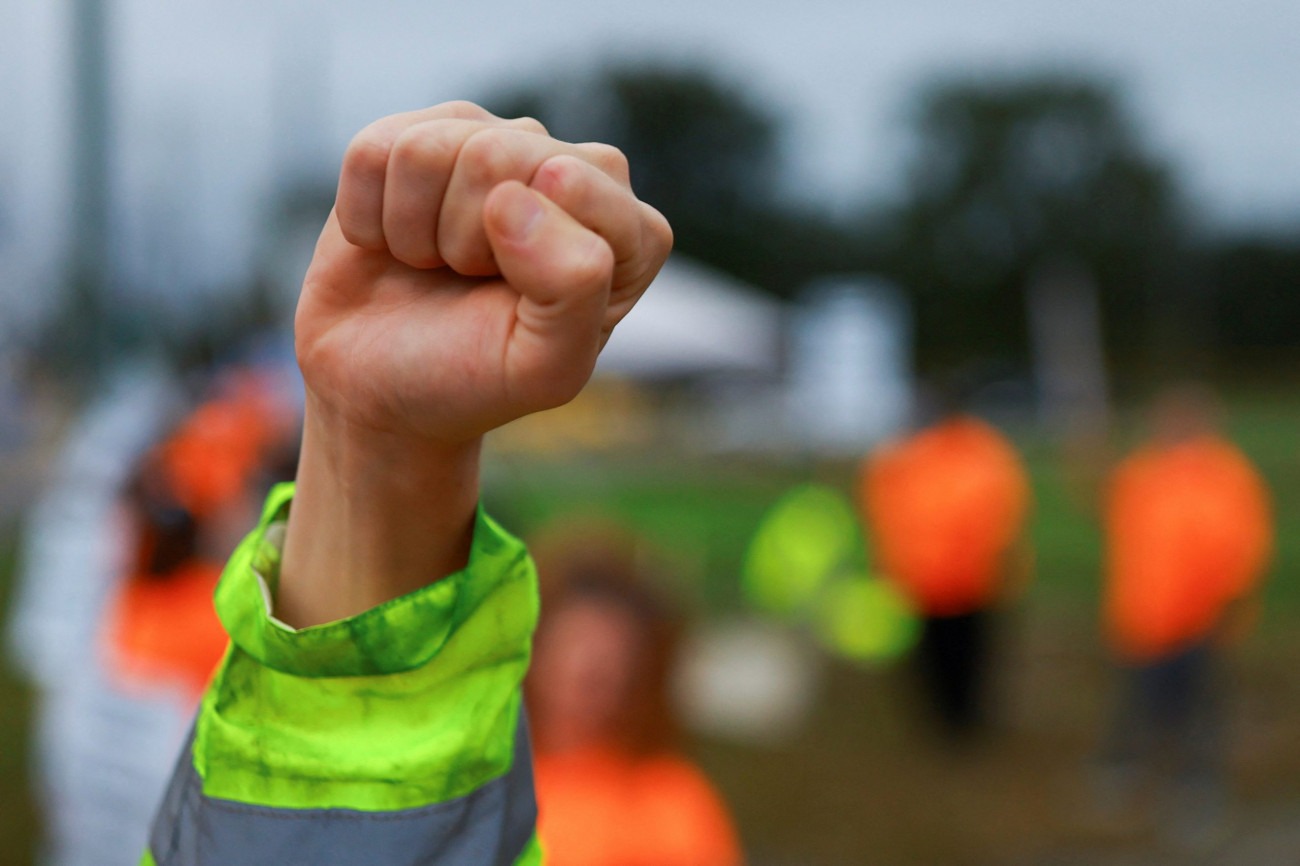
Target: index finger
(359, 202)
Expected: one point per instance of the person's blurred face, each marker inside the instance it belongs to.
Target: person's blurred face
(583, 669)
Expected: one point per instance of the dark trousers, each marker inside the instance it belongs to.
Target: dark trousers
(1170, 711)
(953, 663)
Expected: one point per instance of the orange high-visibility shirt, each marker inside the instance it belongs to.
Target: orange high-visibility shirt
(1189, 529)
(164, 631)
(212, 457)
(599, 807)
(944, 508)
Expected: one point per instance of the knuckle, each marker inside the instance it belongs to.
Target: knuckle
(464, 109)
(563, 177)
(529, 124)
(609, 159)
(659, 233)
(422, 145)
(485, 156)
(367, 153)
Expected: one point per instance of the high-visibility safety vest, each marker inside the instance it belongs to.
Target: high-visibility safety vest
(1189, 529)
(945, 507)
(394, 737)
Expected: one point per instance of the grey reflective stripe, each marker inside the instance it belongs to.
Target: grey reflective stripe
(488, 827)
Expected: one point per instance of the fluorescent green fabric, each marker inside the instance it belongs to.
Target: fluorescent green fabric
(532, 855)
(808, 536)
(411, 703)
(147, 859)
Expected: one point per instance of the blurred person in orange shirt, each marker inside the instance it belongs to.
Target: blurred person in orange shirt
(612, 787)
(192, 495)
(946, 509)
(116, 718)
(1190, 532)
(160, 631)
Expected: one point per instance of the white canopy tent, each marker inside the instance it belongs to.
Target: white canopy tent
(695, 321)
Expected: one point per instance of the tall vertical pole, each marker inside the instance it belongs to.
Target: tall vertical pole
(1065, 326)
(90, 257)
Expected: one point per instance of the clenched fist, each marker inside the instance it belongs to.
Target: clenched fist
(470, 272)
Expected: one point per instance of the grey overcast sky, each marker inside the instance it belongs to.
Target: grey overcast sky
(217, 98)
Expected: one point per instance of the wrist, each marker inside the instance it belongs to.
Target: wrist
(376, 515)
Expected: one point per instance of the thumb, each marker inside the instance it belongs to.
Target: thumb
(562, 272)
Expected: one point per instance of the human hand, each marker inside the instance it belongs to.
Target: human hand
(469, 274)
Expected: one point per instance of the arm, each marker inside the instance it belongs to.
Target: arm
(368, 710)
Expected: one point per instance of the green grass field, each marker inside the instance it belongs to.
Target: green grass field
(705, 508)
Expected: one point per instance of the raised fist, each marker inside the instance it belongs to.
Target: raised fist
(469, 274)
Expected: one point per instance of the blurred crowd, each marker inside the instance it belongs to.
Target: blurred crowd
(114, 621)
(1189, 533)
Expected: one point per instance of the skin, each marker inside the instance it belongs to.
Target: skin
(584, 663)
(469, 274)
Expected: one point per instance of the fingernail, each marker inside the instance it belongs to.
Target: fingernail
(518, 214)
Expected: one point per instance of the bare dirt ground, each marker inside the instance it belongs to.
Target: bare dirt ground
(869, 782)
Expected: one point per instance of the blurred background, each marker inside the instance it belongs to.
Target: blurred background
(1046, 213)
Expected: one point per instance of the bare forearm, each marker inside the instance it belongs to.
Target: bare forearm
(375, 516)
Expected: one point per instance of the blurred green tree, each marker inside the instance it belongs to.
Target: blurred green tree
(707, 152)
(1255, 283)
(1016, 178)
(1009, 180)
